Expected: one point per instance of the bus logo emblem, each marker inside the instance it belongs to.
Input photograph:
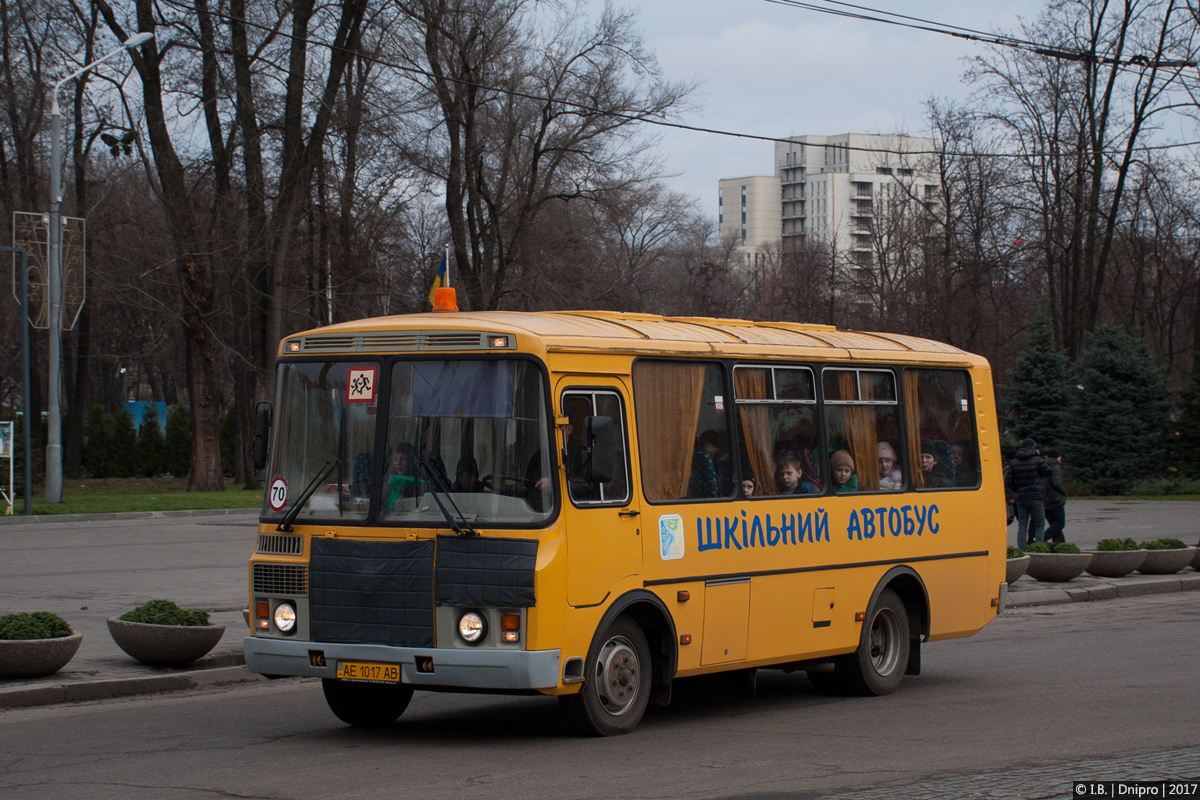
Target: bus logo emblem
(670, 536)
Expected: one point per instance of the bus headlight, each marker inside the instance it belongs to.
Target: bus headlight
(285, 617)
(472, 627)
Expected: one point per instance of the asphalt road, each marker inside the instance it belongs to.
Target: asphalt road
(1040, 698)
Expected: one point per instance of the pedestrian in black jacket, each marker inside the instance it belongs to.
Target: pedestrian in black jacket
(1024, 476)
(1056, 499)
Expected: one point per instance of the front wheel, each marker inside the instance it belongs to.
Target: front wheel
(616, 688)
(366, 704)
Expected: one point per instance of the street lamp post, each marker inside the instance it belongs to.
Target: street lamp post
(54, 279)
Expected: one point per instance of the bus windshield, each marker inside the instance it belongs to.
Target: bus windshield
(475, 430)
(472, 434)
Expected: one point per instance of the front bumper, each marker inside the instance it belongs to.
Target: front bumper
(466, 669)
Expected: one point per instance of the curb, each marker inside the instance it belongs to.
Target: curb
(50, 694)
(52, 518)
(1187, 582)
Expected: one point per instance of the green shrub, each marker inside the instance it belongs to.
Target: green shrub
(38, 625)
(124, 444)
(1117, 544)
(178, 444)
(1038, 547)
(1014, 553)
(151, 447)
(164, 612)
(1164, 544)
(1066, 547)
(1167, 485)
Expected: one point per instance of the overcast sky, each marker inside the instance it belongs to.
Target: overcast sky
(782, 71)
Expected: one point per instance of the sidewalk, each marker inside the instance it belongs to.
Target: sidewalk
(87, 570)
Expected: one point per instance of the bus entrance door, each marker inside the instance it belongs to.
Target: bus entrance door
(602, 518)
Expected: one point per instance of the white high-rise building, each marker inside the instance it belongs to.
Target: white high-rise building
(748, 212)
(829, 189)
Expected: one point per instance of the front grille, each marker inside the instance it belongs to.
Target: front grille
(458, 341)
(372, 592)
(327, 343)
(397, 341)
(280, 544)
(280, 579)
(390, 341)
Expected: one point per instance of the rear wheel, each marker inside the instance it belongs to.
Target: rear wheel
(878, 665)
(366, 704)
(616, 688)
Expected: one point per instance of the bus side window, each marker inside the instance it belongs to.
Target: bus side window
(943, 446)
(577, 405)
(680, 410)
(776, 415)
(861, 418)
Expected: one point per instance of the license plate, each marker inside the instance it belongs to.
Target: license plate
(367, 671)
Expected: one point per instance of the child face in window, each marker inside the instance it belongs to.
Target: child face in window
(927, 462)
(748, 488)
(956, 450)
(789, 476)
(886, 466)
(841, 475)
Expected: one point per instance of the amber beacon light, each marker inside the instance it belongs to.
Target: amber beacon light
(444, 299)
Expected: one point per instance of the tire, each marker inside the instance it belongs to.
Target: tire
(616, 688)
(878, 665)
(366, 704)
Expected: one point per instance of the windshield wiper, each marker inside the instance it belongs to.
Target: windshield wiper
(285, 524)
(439, 481)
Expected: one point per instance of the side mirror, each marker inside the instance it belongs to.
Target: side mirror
(262, 433)
(602, 456)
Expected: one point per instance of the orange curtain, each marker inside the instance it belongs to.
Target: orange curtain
(860, 431)
(756, 427)
(912, 419)
(667, 401)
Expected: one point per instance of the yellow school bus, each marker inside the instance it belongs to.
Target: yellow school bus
(592, 504)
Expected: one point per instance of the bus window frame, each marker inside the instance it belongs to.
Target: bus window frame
(723, 364)
(590, 392)
(818, 419)
(965, 372)
(387, 361)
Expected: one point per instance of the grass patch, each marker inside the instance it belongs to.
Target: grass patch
(114, 495)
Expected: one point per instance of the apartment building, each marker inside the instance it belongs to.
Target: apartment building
(829, 189)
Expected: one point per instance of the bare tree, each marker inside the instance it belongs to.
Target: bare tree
(523, 114)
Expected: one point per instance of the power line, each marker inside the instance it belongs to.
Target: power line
(645, 116)
(867, 14)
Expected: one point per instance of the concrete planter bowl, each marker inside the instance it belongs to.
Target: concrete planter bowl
(1115, 563)
(1015, 568)
(36, 658)
(165, 645)
(1057, 567)
(1166, 562)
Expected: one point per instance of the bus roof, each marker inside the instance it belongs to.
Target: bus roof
(619, 332)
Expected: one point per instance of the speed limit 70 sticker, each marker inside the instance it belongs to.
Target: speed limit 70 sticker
(277, 494)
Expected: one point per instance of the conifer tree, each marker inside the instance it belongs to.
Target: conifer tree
(151, 445)
(179, 441)
(123, 445)
(1186, 442)
(97, 453)
(1116, 430)
(1040, 387)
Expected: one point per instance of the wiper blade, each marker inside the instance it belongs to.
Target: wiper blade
(440, 482)
(285, 524)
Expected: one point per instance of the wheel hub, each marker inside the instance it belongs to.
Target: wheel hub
(617, 675)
